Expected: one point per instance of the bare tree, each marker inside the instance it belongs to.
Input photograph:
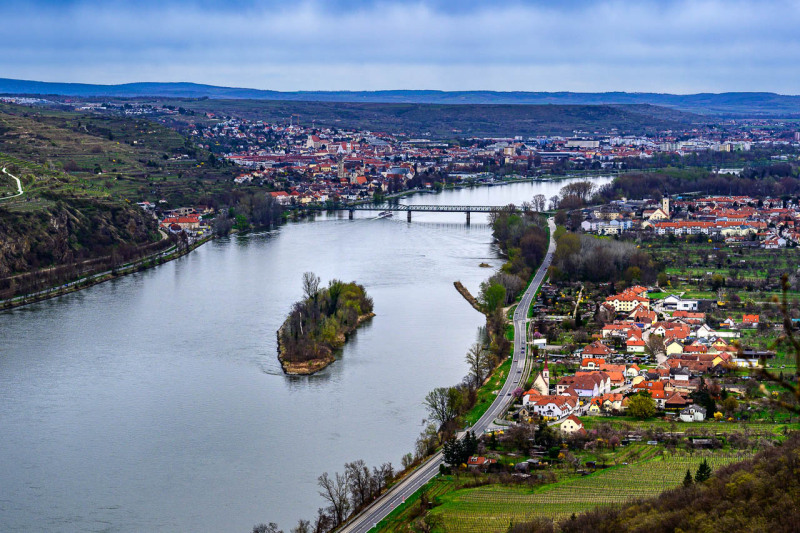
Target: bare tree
(381, 476)
(272, 527)
(441, 404)
(303, 526)
(478, 361)
(310, 284)
(654, 345)
(582, 189)
(360, 483)
(539, 202)
(334, 490)
(322, 524)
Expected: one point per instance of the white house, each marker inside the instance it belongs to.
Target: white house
(687, 305)
(571, 425)
(553, 406)
(671, 301)
(693, 413)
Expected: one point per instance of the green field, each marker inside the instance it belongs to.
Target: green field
(495, 507)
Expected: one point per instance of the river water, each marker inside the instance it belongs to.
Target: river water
(156, 402)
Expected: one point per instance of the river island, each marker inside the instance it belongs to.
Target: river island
(319, 324)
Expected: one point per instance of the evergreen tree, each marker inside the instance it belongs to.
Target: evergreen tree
(703, 472)
(688, 479)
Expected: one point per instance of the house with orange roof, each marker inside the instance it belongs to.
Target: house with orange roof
(571, 425)
(750, 320)
(593, 363)
(628, 300)
(635, 344)
(553, 406)
(597, 350)
(643, 315)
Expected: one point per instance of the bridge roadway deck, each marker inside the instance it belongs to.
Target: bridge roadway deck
(380, 508)
(418, 207)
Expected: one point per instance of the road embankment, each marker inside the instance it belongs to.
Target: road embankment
(92, 279)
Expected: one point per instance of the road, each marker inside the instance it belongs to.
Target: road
(19, 185)
(380, 508)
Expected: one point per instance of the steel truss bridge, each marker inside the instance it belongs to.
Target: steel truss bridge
(408, 208)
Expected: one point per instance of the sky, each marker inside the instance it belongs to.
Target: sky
(586, 46)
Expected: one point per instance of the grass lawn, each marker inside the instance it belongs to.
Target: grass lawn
(488, 393)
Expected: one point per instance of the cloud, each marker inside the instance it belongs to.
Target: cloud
(676, 46)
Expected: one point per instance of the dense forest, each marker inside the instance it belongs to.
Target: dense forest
(318, 324)
(756, 495)
(589, 258)
(522, 236)
(777, 179)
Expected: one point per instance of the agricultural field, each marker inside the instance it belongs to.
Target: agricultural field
(696, 428)
(754, 273)
(495, 507)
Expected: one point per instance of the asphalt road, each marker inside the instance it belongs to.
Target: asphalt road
(384, 505)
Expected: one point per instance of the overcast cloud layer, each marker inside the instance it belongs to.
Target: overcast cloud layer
(669, 46)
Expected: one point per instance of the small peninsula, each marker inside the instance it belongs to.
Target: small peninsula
(319, 324)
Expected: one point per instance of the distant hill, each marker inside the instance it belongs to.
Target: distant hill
(724, 104)
(447, 121)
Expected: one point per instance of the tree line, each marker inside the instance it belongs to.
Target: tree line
(346, 494)
(248, 210)
(588, 258)
(777, 179)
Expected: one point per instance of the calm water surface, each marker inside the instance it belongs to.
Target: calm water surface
(156, 402)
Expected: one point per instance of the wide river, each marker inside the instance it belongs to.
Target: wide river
(156, 402)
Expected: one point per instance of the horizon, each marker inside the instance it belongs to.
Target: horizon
(675, 47)
(142, 82)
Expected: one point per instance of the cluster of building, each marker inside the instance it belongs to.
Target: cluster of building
(770, 222)
(673, 330)
(314, 164)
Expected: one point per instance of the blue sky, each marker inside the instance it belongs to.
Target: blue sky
(664, 46)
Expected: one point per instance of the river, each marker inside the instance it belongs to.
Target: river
(155, 402)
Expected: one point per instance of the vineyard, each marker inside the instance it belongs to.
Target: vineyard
(690, 429)
(494, 507)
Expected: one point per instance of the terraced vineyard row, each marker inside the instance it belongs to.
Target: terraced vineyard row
(493, 508)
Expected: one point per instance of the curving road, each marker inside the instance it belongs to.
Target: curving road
(19, 185)
(380, 508)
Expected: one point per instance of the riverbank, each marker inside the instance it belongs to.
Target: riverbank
(84, 282)
(312, 366)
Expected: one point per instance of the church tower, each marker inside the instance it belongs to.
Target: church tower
(542, 381)
(665, 203)
(546, 372)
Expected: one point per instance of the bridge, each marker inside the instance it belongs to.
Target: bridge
(409, 208)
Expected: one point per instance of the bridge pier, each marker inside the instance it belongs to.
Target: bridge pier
(350, 215)
(467, 218)
(409, 215)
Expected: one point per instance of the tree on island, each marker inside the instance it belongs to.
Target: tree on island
(310, 285)
(318, 324)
